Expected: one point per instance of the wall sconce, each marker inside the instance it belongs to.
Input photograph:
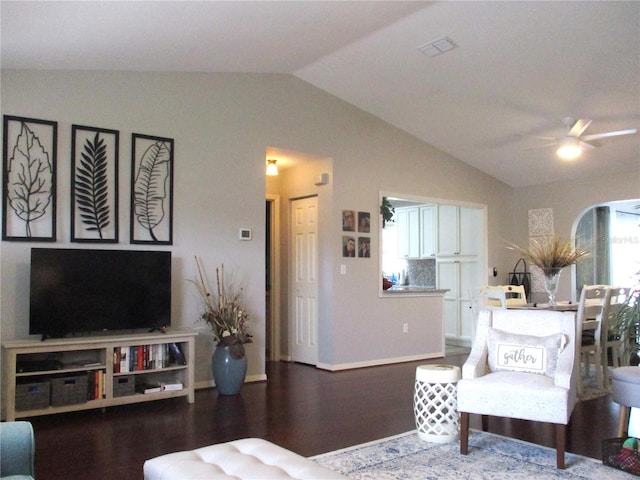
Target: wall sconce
(272, 168)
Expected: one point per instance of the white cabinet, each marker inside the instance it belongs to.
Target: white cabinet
(428, 227)
(458, 275)
(408, 220)
(416, 231)
(460, 230)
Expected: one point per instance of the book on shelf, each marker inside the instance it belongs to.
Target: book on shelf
(148, 388)
(136, 358)
(171, 386)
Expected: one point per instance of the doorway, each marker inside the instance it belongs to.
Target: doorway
(304, 280)
(272, 280)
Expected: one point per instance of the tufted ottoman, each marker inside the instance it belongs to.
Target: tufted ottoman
(625, 391)
(249, 458)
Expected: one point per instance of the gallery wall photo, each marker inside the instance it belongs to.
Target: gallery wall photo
(29, 179)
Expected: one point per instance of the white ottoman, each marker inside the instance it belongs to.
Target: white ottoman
(435, 403)
(249, 458)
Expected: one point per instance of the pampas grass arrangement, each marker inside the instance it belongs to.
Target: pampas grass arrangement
(550, 253)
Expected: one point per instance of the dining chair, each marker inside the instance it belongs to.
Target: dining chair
(589, 325)
(514, 294)
(612, 333)
(485, 298)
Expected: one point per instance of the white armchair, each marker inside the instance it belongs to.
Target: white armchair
(521, 366)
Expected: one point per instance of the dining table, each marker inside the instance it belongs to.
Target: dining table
(562, 306)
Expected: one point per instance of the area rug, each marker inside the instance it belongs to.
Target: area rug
(491, 457)
(590, 387)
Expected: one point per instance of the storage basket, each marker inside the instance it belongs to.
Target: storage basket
(69, 390)
(124, 386)
(613, 455)
(34, 395)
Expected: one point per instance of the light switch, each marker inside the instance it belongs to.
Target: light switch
(343, 269)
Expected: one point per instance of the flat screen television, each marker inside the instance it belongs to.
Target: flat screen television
(75, 291)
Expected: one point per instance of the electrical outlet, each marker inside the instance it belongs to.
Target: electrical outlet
(405, 328)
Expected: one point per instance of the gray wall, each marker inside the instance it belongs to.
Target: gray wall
(222, 125)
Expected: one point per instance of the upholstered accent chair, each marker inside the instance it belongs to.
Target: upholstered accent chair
(17, 448)
(522, 365)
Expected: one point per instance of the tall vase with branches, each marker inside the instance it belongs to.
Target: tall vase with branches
(551, 255)
(228, 319)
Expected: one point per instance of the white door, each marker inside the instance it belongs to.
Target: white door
(304, 259)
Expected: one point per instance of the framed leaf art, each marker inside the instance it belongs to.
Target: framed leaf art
(151, 190)
(29, 179)
(94, 184)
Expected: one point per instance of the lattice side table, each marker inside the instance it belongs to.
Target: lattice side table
(435, 404)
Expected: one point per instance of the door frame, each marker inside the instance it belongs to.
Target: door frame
(274, 324)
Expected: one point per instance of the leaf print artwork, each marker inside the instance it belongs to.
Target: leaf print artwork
(91, 186)
(29, 179)
(150, 186)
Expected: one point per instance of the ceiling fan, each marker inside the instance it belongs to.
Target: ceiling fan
(574, 143)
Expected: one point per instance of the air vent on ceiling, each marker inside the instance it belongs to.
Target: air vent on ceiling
(437, 47)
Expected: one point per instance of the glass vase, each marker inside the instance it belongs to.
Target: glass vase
(551, 281)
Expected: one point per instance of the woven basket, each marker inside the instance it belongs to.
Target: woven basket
(613, 455)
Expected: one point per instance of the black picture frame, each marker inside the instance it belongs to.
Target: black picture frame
(151, 190)
(29, 179)
(94, 184)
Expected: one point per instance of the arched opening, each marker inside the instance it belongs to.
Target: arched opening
(611, 233)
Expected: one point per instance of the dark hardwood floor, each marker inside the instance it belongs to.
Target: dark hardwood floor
(306, 410)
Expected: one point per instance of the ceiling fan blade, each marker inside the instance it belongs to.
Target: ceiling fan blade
(579, 127)
(587, 146)
(538, 137)
(596, 136)
(545, 145)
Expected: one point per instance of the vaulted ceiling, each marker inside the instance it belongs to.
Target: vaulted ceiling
(516, 69)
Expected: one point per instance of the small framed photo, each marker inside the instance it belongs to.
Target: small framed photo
(29, 179)
(364, 247)
(364, 222)
(348, 246)
(151, 190)
(348, 221)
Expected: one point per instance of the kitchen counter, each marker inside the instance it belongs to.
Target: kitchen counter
(415, 289)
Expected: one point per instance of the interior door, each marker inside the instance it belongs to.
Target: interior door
(304, 241)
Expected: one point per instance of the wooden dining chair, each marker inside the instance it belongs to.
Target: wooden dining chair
(612, 333)
(589, 325)
(514, 294)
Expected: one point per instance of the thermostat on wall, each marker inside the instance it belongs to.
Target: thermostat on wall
(245, 234)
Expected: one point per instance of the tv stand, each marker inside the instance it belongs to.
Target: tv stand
(95, 372)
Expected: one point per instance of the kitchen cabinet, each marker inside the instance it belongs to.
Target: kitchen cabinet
(408, 221)
(459, 230)
(457, 275)
(428, 227)
(416, 231)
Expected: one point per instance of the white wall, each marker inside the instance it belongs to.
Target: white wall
(222, 124)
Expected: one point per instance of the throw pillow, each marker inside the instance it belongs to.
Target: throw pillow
(524, 353)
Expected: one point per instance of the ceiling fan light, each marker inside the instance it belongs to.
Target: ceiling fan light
(569, 148)
(272, 168)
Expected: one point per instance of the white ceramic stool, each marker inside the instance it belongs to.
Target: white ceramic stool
(435, 403)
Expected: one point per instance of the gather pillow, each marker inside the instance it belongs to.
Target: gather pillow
(524, 353)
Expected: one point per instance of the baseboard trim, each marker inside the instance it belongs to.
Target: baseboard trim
(376, 363)
(262, 377)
